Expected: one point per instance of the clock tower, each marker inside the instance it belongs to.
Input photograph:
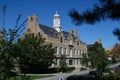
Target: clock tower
(56, 22)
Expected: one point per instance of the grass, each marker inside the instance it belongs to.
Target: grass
(30, 77)
(40, 76)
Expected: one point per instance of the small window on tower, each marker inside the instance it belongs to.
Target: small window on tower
(31, 18)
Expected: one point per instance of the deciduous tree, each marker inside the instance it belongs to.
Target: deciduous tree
(63, 62)
(8, 51)
(115, 52)
(35, 55)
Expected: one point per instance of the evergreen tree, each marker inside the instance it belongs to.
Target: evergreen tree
(96, 57)
(107, 9)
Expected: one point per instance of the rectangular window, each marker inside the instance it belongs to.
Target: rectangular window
(74, 51)
(56, 50)
(60, 50)
(77, 61)
(65, 51)
(70, 52)
(70, 62)
(70, 42)
(78, 51)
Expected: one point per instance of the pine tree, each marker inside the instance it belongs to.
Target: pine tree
(106, 9)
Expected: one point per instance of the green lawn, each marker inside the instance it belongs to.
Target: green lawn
(40, 76)
(30, 77)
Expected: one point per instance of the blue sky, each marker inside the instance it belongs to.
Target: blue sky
(47, 8)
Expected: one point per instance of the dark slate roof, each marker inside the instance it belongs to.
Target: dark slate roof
(48, 30)
(52, 32)
(66, 34)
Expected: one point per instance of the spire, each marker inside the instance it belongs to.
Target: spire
(56, 12)
(57, 15)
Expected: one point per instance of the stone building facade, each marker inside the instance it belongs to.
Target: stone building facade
(67, 43)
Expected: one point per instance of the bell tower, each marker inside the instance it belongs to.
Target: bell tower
(56, 22)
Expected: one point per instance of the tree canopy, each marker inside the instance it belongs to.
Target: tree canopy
(115, 52)
(8, 51)
(34, 53)
(96, 57)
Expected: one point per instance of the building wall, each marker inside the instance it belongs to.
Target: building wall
(72, 53)
(73, 49)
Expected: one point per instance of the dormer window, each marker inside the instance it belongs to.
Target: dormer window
(71, 44)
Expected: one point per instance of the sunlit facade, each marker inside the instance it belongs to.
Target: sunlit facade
(65, 43)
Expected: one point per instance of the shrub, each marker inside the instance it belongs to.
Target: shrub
(82, 69)
(58, 69)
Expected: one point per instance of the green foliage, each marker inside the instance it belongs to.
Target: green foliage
(116, 32)
(58, 69)
(85, 60)
(21, 77)
(62, 63)
(30, 77)
(96, 57)
(8, 37)
(112, 76)
(106, 9)
(34, 54)
(82, 69)
(40, 76)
